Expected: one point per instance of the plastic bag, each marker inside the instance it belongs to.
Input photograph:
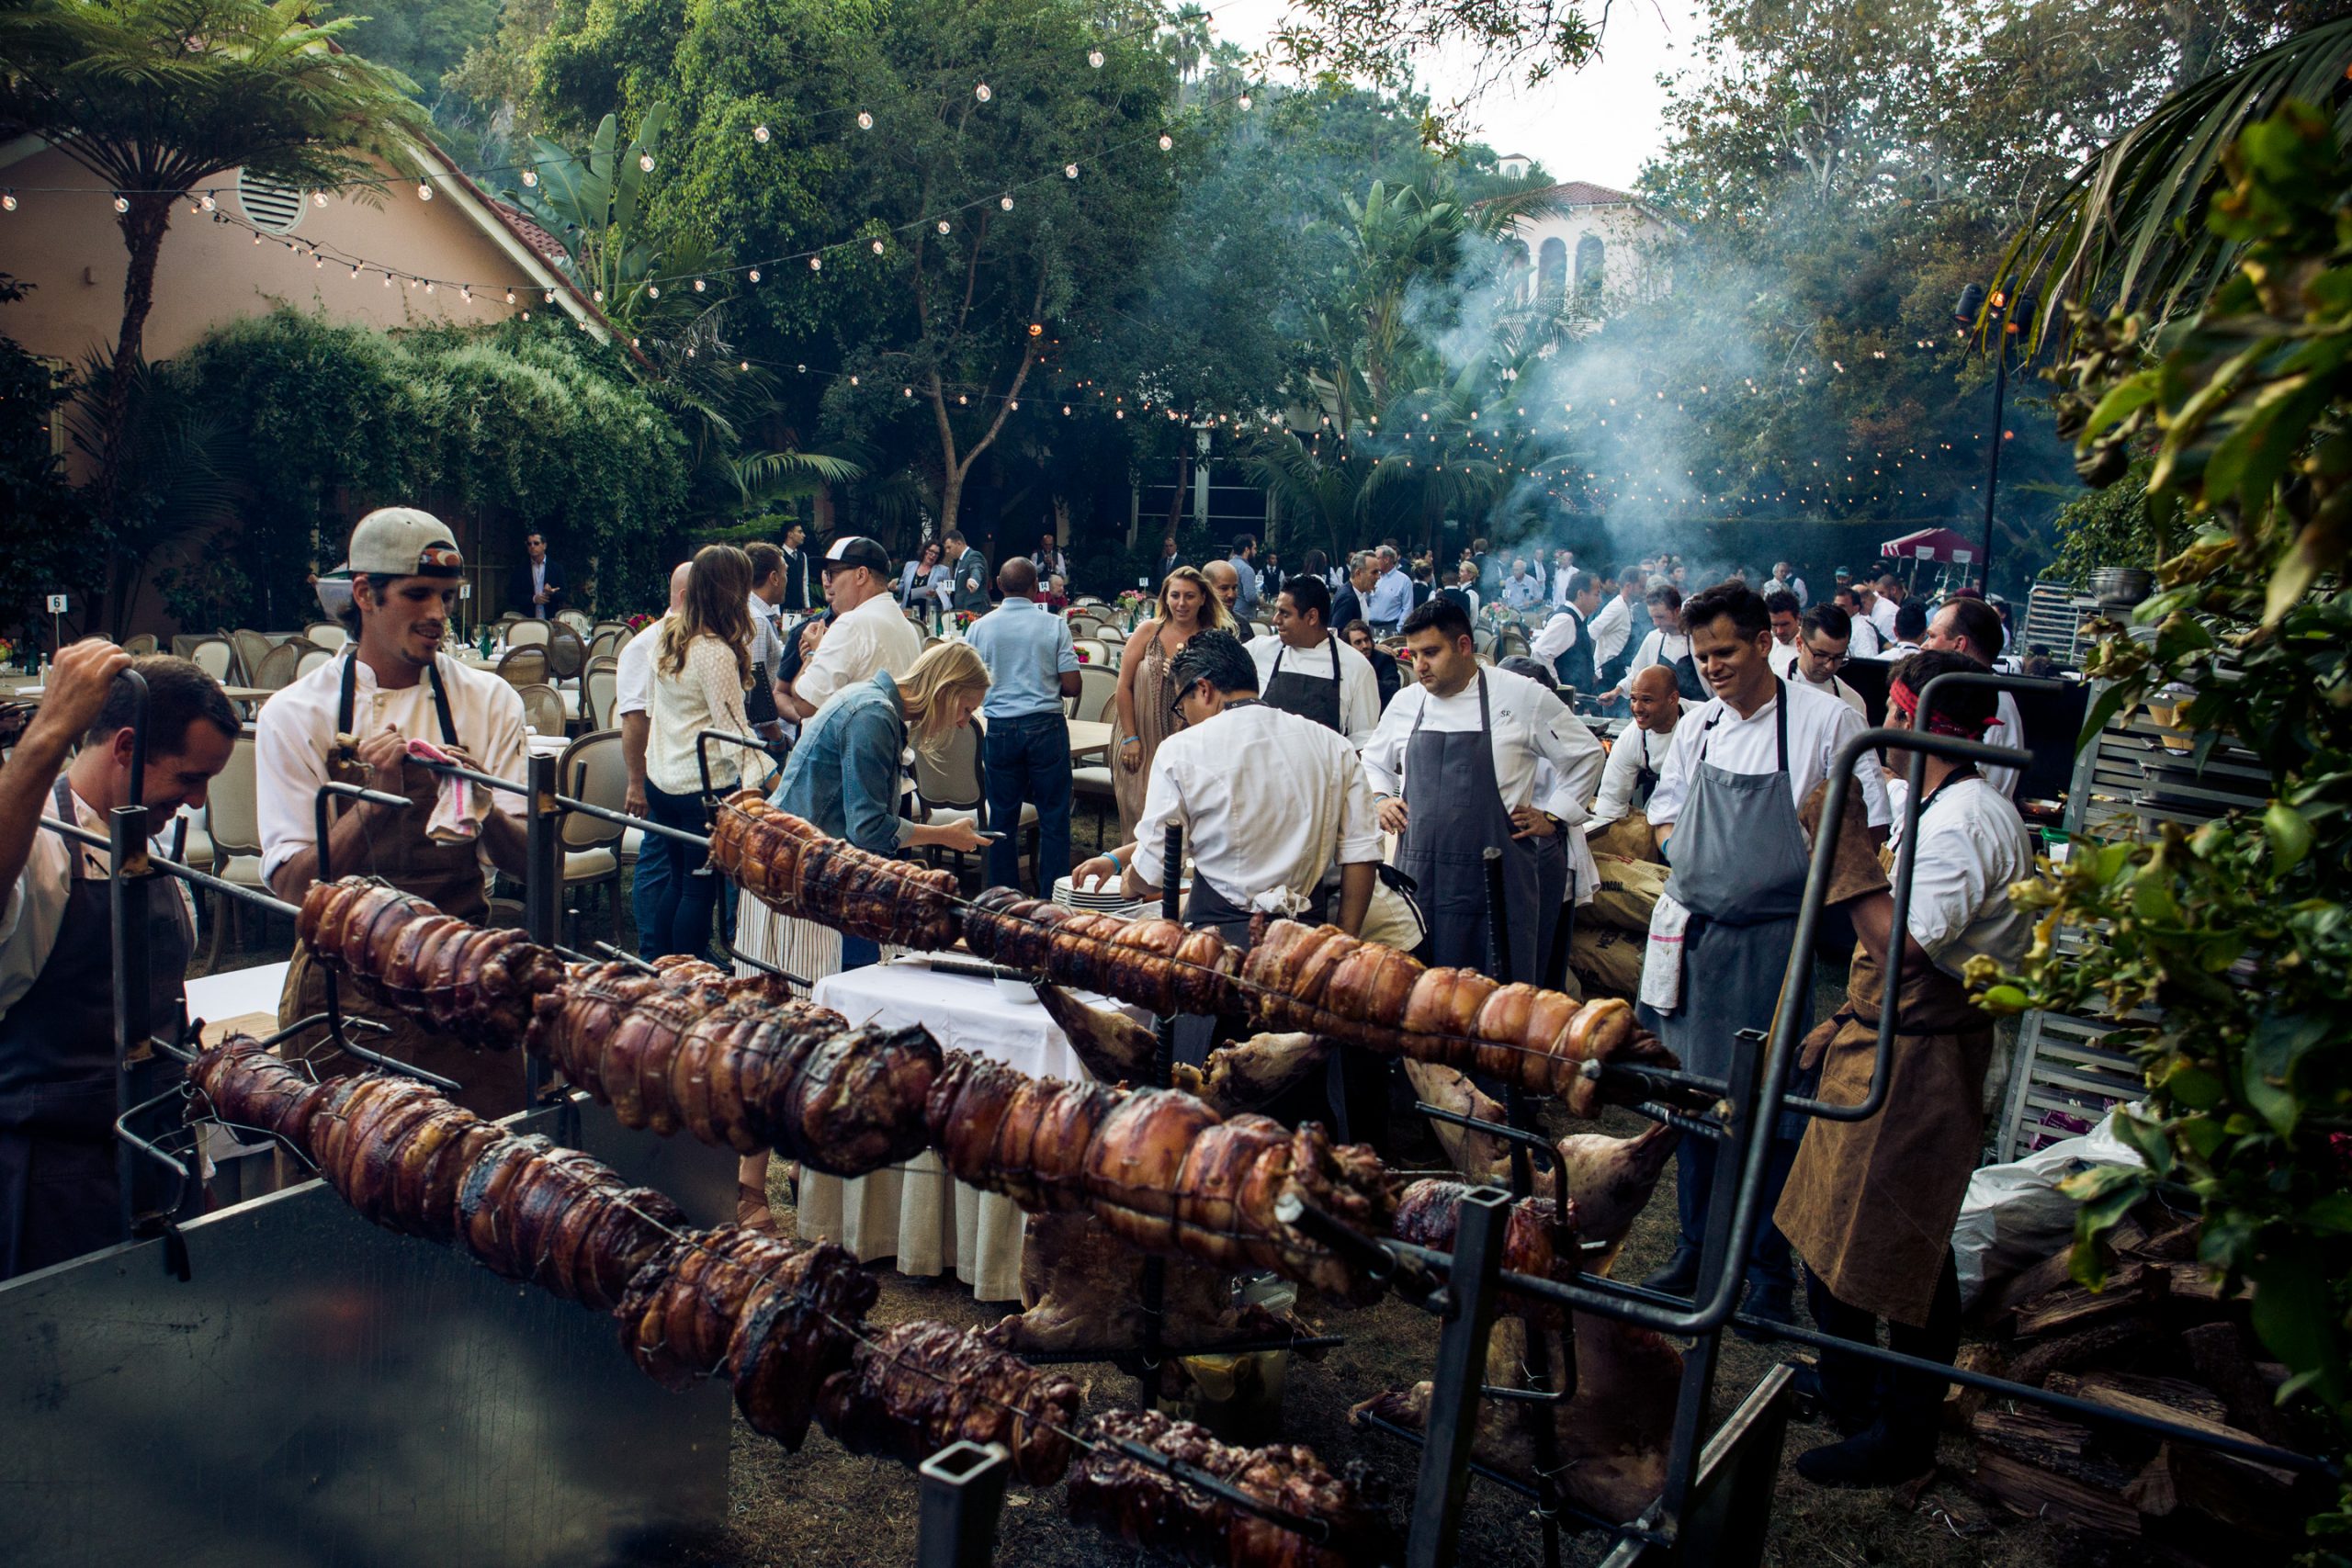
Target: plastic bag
(2013, 1216)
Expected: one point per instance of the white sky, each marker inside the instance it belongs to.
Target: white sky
(1598, 124)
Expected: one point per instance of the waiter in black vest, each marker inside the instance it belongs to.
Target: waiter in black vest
(1306, 670)
(1566, 642)
(60, 1191)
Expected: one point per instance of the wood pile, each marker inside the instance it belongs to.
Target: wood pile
(2161, 1338)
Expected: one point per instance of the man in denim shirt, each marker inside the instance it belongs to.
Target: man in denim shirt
(1031, 667)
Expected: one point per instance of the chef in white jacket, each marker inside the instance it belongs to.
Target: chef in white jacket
(1467, 757)
(1974, 627)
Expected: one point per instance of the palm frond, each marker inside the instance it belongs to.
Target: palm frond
(2128, 231)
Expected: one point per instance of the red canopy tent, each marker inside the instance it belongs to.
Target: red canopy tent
(1932, 544)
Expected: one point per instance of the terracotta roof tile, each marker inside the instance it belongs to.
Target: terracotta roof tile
(539, 239)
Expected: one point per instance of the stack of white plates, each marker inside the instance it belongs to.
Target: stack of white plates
(1109, 900)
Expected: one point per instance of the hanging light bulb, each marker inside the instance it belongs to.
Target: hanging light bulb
(207, 203)
(755, 274)
(122, 204)
(906, 391)
(428, 286)
(759, 134)
(598, 295)
(1005, 202)
(1243, 102)
(961, 400)
(878, 247)
(355, 272)
(256, 239)
(1069, 171)
(387, 280)
(1094, 58)
(746, 365)
(551, 299)
(1014, 404)
(510, 297)
(864, 120)
(423, 191)
(700, 286)
(318, 198)
(853, 380)
(942, 225)
(466, 292)
(645, 162)
(530, 176)
(983, 93)
(1166, 142)
(526, 315)
(653, 292)
(8, 201)
(816, 263)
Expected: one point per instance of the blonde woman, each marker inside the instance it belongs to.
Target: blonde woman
(1187, 607)
(843, 778)
(702, 667)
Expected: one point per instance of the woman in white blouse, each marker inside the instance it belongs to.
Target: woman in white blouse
(701, 668)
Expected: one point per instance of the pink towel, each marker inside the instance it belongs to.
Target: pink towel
(460, 806)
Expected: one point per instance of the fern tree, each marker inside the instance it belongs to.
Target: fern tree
(155, 97)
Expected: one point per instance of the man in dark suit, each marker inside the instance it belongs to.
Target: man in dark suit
(1347, 604)
(536, 590)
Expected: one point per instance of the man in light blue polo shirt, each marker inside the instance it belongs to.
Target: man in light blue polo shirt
(1031, 667)
(1392, 594)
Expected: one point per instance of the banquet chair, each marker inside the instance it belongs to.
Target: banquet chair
(599, 691)
(542, 706)
(281, 665)
(950, 787)
(216, 656)
(1097, 685)
(606, 643)
(328, 635)
(141, 645)
(232, 820)
(252, 648)
(567, 654)
(1114, 649)
(525, 633)
(1483, 641)
(311, 658)
(1092, 781)
(1509, 642)
(524, 666)
(591, 770)
(577, 620)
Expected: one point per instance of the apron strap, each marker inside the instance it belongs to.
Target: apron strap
(1779, 725)
(344, 701)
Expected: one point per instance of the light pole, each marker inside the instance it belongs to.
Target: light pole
(1996, 318)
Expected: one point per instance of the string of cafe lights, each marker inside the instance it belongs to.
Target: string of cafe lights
(207, 198)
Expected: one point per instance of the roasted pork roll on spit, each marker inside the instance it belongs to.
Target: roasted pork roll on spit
(1146, 1507)
(787, 864)
(529, 1209)
(460, 979)
(737, 1063)
(1157, 1168)
(922, 1385)
(769, 1315)
(249, 1089)
(1322, 980)
(1155, 964)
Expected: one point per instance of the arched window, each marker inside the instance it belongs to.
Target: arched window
(1588, 260)
(1551, 268)
(1515, 267)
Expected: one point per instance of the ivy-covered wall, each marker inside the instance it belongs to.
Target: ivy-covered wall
(501, 432)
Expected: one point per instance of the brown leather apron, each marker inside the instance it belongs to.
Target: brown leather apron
(450, 876)
(1870, 1205)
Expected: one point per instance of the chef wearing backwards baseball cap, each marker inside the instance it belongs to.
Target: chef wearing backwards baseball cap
(870, 634)
(351, 719)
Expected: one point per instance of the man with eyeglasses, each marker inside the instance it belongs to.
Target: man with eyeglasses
(1826, 633)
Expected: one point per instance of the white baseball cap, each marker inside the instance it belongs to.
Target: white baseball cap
(401, 541)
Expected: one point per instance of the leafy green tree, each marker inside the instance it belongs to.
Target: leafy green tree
(157, 97)
(43, 519)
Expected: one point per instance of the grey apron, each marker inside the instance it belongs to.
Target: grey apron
(1739, 862)
(60, 1196)
(1454, 808)
(1303, 695)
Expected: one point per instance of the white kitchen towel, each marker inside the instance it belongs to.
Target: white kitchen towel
(460, 806)
(1662, 958)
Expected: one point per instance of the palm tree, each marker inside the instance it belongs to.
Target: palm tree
(157, 97)
(2128, 231)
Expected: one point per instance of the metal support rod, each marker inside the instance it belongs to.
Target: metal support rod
(962, 1495)
(1081, 1355)
(130, 879)
(646, 824)
(1997, 317)
(324, 872)
(1581, 1518)
(1724, 1251)
(2064, 1404)
(702, 738)
(1461, 1371)
(176, 868)
(1154, 1285)
(1316, 1530)
(1525, 1144)
(542, 886)
(1542, 1431)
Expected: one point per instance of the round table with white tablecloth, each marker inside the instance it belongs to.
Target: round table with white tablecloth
(916, 1213)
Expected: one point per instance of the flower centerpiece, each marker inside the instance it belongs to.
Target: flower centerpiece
(1131, 604)
(964, 619)
(7, 654)
(1083, 656)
